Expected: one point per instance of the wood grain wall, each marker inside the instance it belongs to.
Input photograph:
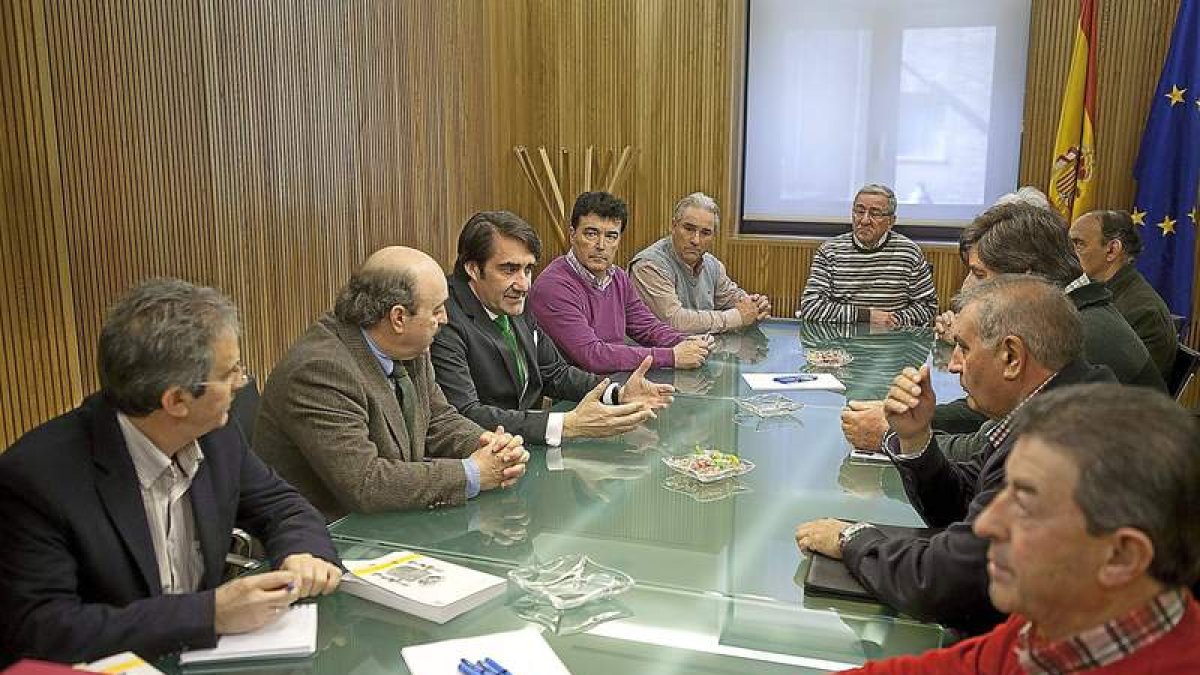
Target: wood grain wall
(266, 147)
(666, 77)
(260, 147)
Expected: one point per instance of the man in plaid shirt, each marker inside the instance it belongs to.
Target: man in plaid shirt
(1093, 542)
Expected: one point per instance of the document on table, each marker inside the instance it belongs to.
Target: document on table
(294, 634)
(522, 652)
(766, 382)
(125, 663)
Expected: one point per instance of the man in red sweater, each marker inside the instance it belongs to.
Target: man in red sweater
(1094, 541)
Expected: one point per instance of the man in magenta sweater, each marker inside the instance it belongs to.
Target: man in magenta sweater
(588, 306)
(1093, 542)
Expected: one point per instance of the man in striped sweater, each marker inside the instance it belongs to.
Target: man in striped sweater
(870, 274)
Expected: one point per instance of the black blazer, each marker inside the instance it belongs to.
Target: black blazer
(78, 577)
(476, 370)
(943, 577)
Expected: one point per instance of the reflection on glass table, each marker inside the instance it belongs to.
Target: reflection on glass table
(678, 631)
(612, 501)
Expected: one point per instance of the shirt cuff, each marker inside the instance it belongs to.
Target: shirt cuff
(554, 428)
(472, 477)
(891, 447)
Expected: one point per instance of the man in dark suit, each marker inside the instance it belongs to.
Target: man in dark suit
(352, 415)
(494, 363)
(1015, 337)
(115, 517)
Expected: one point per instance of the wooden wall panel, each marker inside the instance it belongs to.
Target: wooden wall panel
(264, 148)
(657, 75)
(267, 147)
(39, 367)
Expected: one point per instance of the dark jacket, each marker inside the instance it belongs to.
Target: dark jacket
(78, 576)
(476, 370)
(943, 578)
(1147, 314)
(1108, 340)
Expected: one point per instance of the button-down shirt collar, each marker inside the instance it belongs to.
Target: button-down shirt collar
(1083, 280)
(1105, 644)
(149, 462)
(586, 274)
(386, 362)
(999, 433)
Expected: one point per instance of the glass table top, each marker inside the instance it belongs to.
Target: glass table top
(718, 574)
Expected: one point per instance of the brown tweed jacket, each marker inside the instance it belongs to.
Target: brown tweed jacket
(330, 424)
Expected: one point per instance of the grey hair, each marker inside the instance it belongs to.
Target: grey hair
(1025, 195)
(879, 189)
(158, 335)
(697, 200)
(371, 294)
(1139, 465)
(1028, 307)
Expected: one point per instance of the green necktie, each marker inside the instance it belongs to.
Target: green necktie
(406, 394)
(510, 337)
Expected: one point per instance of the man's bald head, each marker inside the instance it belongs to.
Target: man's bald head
(397, 260)
(386, 279)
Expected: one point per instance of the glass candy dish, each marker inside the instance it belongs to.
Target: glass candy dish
(769, 405)
(708, 465)
(569, 581)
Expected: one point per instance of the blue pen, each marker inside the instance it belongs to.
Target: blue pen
(467, 668)
(793, 379)
(494, 668)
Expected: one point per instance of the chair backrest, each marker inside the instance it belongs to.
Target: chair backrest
(244, 409)
(1187, 361)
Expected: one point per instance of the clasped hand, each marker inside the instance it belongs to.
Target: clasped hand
(501, 459)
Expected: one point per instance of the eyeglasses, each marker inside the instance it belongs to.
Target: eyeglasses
(875, 214)
(237, 378)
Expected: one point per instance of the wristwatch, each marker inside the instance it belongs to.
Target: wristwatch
(847, 534)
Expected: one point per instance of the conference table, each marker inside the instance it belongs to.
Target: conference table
(718, 575)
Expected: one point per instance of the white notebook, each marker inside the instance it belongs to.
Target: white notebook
(766, 382)
(521, 652)
(293, 634)
(416, 584)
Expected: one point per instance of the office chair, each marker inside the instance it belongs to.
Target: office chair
(1183, 370)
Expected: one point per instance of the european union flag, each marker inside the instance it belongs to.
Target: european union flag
(1168, 168)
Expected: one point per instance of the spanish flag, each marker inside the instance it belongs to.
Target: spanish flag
(1071, 176)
